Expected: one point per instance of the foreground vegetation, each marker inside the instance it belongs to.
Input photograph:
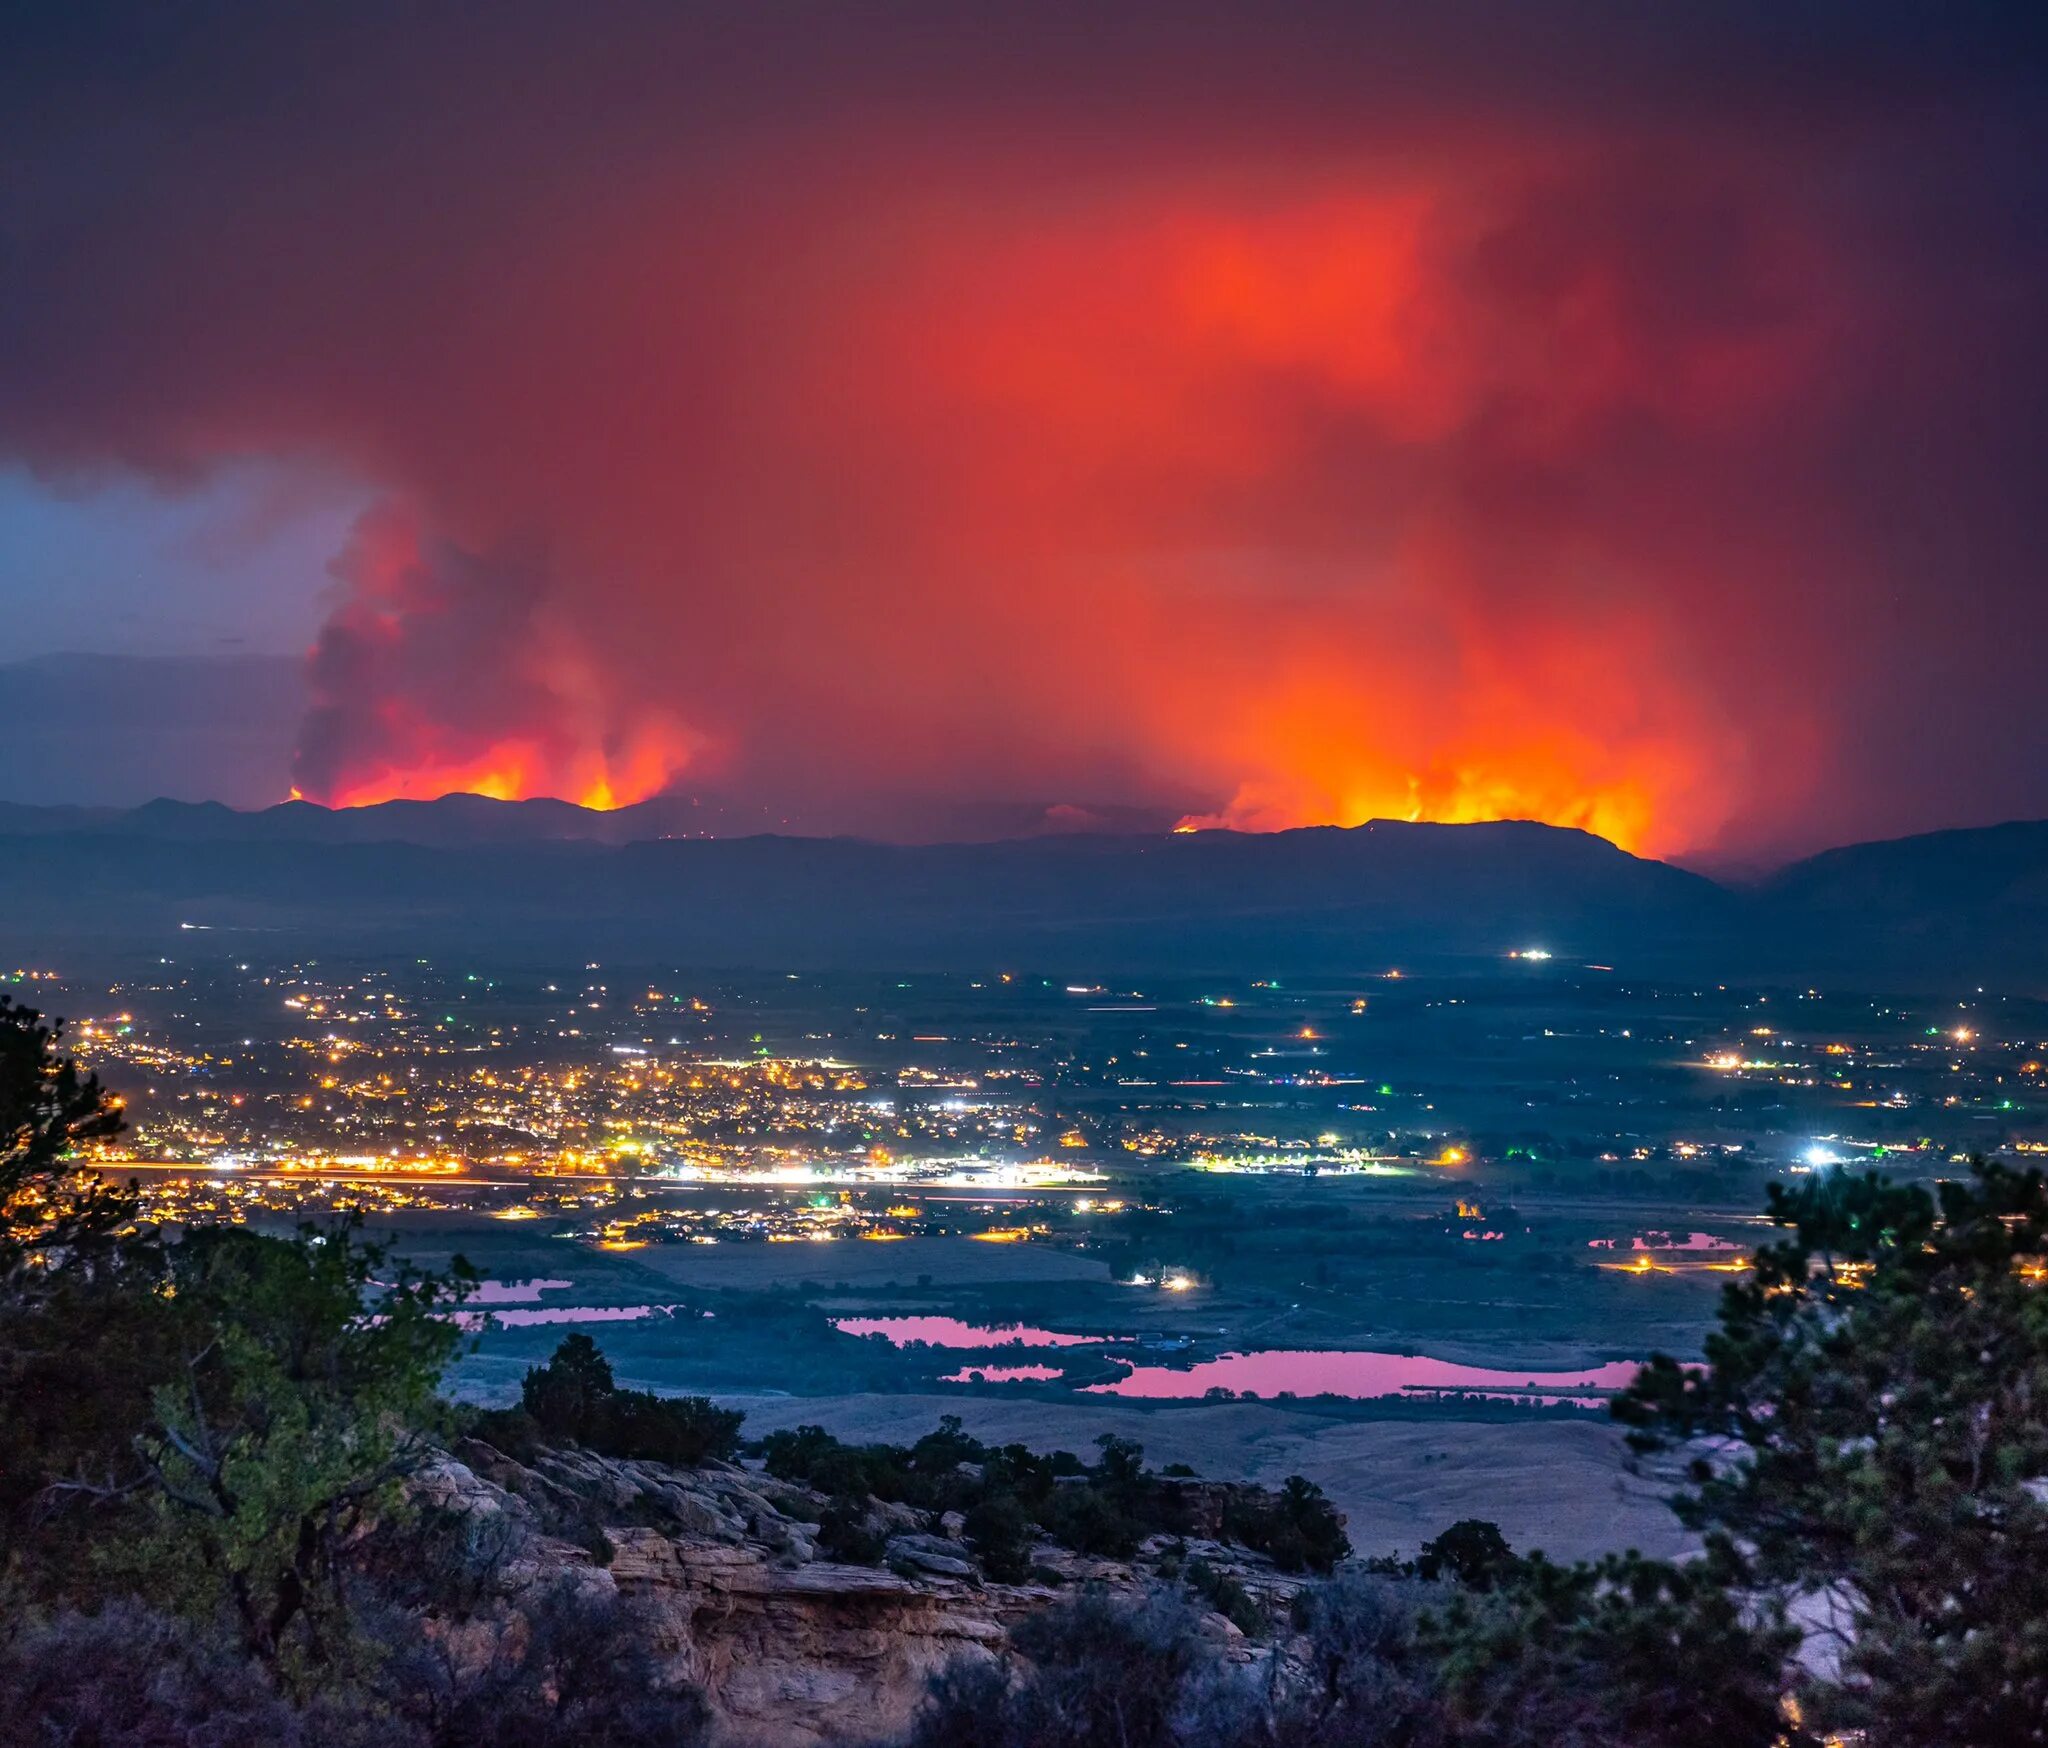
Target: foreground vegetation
(1006, 1495)
(208, 1537)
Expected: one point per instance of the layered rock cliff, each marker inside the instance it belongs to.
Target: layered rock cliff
(721, 1568)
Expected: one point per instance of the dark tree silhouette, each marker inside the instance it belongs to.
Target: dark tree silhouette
(571, 1393)
(1472, 1551)
(78, 1353)
(51, 1206)
(1876, 1406)
(573, 1396)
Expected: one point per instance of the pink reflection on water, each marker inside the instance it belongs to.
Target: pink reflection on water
(1002, 1375)
(515, 1292)
(1355, 1374)
(1665, 1241)
(562, 1314)
(951, 1332)
(1691, 1241)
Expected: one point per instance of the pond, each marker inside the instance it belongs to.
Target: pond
(1359, 1375)
(517, 1319)
(952, 1332)
(1002, 1375)
(515, 1292)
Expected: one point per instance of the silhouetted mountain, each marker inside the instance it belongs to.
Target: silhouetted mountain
(453, 821)
(536, 880)
(1974, 902)
(1209, 899)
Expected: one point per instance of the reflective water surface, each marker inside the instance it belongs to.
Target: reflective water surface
(1357, 1374)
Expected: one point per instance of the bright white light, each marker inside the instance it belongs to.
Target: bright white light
(1818, 1155)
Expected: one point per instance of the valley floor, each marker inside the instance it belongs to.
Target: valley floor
(1562, 1486)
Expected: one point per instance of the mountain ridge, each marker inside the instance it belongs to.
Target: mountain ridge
(464, 817)
(526, 878)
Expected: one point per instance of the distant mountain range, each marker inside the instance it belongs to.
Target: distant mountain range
(537, 880)
(452, 822)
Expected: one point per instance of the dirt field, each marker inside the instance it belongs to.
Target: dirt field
(1560, 1486)
(941, 1261)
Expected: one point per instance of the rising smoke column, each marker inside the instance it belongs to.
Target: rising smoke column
(442, 671)
(1305, 506)
(1234, 419)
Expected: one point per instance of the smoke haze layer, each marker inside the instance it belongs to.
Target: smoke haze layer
(1193, 413)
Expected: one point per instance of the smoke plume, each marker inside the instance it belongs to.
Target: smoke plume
(1181, 415)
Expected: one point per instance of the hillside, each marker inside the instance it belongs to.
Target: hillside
(463, 871)
(466, 871)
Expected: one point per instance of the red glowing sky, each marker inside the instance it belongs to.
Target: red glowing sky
(1181, 418)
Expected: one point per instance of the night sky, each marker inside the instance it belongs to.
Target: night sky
(1630, 417)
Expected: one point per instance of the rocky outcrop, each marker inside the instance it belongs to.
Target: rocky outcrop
(722, 1569)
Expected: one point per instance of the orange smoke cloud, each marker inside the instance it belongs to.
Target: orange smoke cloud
(1118, 423)
(444, 674)
(1284, 495)
(1294, 507)
(1259, 500)
(1566, 729)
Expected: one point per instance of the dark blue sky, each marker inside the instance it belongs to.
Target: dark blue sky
(237, 562)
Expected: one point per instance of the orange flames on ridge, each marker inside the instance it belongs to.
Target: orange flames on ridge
(523, 768)
(510, 771)
(1301, 509)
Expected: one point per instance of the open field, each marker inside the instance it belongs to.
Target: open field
(908, 1263)
(1557, 1485)
(1401, 1473)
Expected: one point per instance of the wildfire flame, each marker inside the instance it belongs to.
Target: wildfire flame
(1278, 508)
(519, 770)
